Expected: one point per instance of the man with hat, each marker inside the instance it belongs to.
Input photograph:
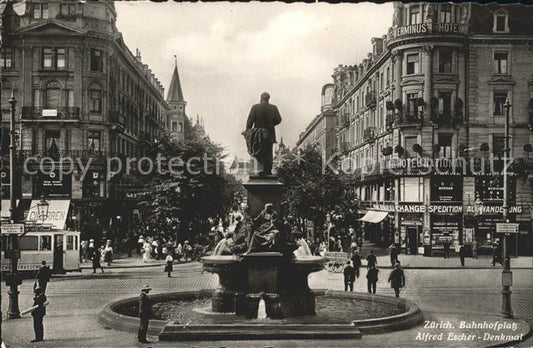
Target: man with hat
(145, 311)
(397, 279)
(38, 313)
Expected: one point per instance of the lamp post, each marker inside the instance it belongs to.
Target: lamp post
(13, 280)
(507, 275)
(42, 209)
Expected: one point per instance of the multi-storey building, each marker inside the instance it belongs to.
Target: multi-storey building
(421, 118)
(81, 93)
(321, 131)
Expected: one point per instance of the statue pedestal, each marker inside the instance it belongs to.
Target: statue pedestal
(262, 190)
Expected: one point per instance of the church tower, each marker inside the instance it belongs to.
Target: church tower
(176, 103)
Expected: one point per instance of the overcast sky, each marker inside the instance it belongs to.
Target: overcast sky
(229, 53)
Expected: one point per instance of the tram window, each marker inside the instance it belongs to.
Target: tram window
(28, 243)
(4, 243)
(70, 242)
(46, 243)
(76, 243)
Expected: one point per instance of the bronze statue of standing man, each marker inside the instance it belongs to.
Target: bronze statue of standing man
(260, 133)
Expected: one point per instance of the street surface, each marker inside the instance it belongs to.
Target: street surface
(76, 299)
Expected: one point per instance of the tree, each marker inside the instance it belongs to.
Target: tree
(312, 191)
(191, 188)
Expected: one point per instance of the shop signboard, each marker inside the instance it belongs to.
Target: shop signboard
(55, 183)
(446, 189)
(506, 228)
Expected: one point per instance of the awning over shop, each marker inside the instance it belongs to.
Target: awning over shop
(374, 216)
(57, 213)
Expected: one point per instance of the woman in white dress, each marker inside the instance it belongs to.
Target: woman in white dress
(146, 250)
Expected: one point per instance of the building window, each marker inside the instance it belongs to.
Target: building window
(52, 138)
(499, 100)
(500, 62)
(445, 103)
(414, 14)
(409, 142)
(501, 22)
(445, 144)
(445, 60)
(97, 60)
(53, 96)
(445, 13)
(412, 64)
(95, 99)
(6, 58)
(388, 76)
(174, 126)
(180, 129)
(498, 144)
(68, 9)
(94, 141)
(54, 58)
(40, 11)
(412, 109)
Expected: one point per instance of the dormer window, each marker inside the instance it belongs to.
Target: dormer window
(445, 13)
(501, 21)
(414, 14)
(40, 11)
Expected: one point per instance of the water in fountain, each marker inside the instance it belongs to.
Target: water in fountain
(261, 310)
(303, 249)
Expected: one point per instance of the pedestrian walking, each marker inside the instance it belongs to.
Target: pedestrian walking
(140, 244)
(169, 264)
(84, 248)
(43, 276)
(496, 254)
(96, 260)
(393, 255)
(462, 254)
(38, 314)
(356, 262)
(397, 279)
(474, 249)
(145, 311)
(371, 260)
(446, 249)
(372, 279)
(108, 253)
(349, 276)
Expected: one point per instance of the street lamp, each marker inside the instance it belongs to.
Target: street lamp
(507, 275)
(13, 280)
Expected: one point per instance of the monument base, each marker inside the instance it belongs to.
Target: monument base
(262, 190)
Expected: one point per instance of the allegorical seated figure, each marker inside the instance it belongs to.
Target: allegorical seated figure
(270, 233)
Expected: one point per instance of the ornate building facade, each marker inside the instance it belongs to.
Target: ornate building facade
(82, 94)
(421, 121)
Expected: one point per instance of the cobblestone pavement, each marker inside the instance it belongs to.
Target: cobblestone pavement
(76, 299)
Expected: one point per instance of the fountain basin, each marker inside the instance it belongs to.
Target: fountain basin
(264, 273)
(338, 316)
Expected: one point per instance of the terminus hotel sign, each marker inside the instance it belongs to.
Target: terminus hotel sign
(445, 209)
(427, 28)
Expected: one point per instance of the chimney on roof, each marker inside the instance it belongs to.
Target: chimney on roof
(138, 55)
(377, 46)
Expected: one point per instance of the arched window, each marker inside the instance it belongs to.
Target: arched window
(95, 98)
(53, 95)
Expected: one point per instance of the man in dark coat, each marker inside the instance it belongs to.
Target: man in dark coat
(145, 311)
(393, 255)
(349, 276)
(43, 276)
(446, 250)
(462, 254)
(356, 261)
(260, 133)
(397, 279)
(38, 314)
(371, 260)
(372, 276)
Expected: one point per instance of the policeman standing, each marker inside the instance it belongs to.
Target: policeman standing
(145, 311)
(38, 314)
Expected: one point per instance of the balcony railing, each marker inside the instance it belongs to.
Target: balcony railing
(447, 118)
(409, 118)
(36, 113)
(369, 133)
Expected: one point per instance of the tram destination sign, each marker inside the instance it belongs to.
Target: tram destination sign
(12, 228)
(506, 228)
